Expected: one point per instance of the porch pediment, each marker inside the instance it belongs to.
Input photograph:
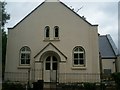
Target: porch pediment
(50, 48)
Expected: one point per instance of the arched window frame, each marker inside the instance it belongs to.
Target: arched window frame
(25, 55)
(56, 32)
(79, 56)
(47, 32)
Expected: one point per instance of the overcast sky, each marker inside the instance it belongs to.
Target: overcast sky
(105, 14)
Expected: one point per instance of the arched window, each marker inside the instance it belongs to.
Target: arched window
(25, 55)
(79, 56)
(47, 31)
(56, 32)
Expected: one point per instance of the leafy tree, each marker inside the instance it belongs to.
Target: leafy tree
(3, 20)
(116, 77)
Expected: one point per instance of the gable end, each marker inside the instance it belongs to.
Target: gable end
(41, 5)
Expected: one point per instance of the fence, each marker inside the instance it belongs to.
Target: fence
(16, 76)
(37, 74)
(78, 77)
(66, 81)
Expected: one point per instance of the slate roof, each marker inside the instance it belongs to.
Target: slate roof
(107, 47)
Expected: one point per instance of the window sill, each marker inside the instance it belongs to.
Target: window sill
(56, 38)
(23, 67)
(51, 40)
(79, 68)
(47, 38)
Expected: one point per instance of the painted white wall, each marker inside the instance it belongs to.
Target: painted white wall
(118, 63)
(74, 31)
(108, 64)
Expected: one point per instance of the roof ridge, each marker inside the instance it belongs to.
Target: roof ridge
(77, 14)
(112, 44)
(43, 3)
(27, 15)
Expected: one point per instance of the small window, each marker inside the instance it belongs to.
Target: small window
(54, 63)
(54, 66)
(47, 31)
(107, 71)
(79, 56)
(47, 64)
(56, 32)
(25, 55)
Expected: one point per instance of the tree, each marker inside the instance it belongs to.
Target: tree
(5, 15)
(3, 19)
(116, 77)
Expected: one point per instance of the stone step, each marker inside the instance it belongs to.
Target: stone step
(49, 89)
(50, 85)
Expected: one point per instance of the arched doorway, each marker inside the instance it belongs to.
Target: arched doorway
(50, 66)
(50, 69)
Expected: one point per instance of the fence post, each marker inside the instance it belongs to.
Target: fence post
(28, 84)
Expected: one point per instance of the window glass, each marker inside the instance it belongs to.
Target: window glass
(22, 61)
(54, 58)
(56, 31)
(22, 55)
(76, 62)
(54, 66)
(47, 33)
(48, 58)
(27, 61)
(76, 55)
(47, 66)
(23, 49)
(79, 54)
(76, 49)
(47, 30)
(25, 55)
(81, 62)
(107, 71)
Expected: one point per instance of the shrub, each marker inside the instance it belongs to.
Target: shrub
(12, 86)
(116, 77)
(90, 86)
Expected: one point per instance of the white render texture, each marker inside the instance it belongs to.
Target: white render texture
(73, 31)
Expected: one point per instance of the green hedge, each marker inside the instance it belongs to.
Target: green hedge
(116, 77)
(83, 86)
(12, 86)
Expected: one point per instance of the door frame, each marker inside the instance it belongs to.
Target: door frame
(51, 62)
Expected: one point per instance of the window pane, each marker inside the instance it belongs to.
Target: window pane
(56, 32)
(75, 55)
(76, 49)
(81, 62)
(23, 49)
(54, 58)
(56, 28)
(27, 55)
(47, 66)
(27, 61)
(107, 71)
(54, 66)
(22, 55)
(27, 49)
(47, 33)
(80, 55)
(76, 62)
(80, 49)
(22, 61)
(48, 58)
